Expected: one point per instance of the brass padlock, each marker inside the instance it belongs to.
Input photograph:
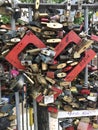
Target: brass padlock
(35, 67)
(82, 47)
(44, 66)
(68, 108)
(50, 80)
(67, 99)
(61, 75)
(41, 80)
(50, 41)
(35, 29)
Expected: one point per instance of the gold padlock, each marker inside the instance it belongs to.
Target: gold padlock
(67, 99)
(61, 66)
(68, 108)
(50, 80)
(53, 40)
(54, 25)
(41, 80)
(33, 51)
(61, 75)
(82, 47)
(35, 67)
(35, 29)
(44, 66)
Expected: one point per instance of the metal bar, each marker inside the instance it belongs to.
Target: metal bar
(35, 115)
(86, 28)
(26, 113)
(17, 110)
(0, 92)
(30, 14)
(13, 26)
(58, 6)
(22, 109)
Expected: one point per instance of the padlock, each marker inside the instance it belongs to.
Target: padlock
(54, 25)
(4, 123)
(34, 67)
(48, 52)
(92, 104)
(44, 66)
(50, 80)
(50, 74)
(2, 31)
(39, 98)
(70, 128)
(62, 83)
(82, 47)
(85, 91)
(74, 105)
(92, 97)
(67, 99)
(61, 74)
(55, 17)
(35, 29)
(46, 59)
(38, 15)
(33, 51)
(84, 126)
(67, 108)
(8, 108)
(66, 123)
(26, 62)
(53, 41)
(41, 80)
(95, 125)
(85, 119)
(15, 40)
(48, 32)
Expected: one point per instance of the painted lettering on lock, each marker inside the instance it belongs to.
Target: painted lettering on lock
(84, 60)
(67, 39)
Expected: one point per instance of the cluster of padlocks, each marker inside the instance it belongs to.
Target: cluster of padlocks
(45, 56)
(79, 123)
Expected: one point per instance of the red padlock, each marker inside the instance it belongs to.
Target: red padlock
(70, 128)
(52, 109)
(39, 98)
(57, 92)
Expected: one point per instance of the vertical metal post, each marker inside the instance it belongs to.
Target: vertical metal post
(86, 28)
(17, 110)
(0, 92)
(35, 115)
(13, 27)
(30, 14)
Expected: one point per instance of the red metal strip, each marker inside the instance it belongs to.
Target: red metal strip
(89, 55)
(52, 109)
(70, 37)
(94, 37)
(29, 38)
